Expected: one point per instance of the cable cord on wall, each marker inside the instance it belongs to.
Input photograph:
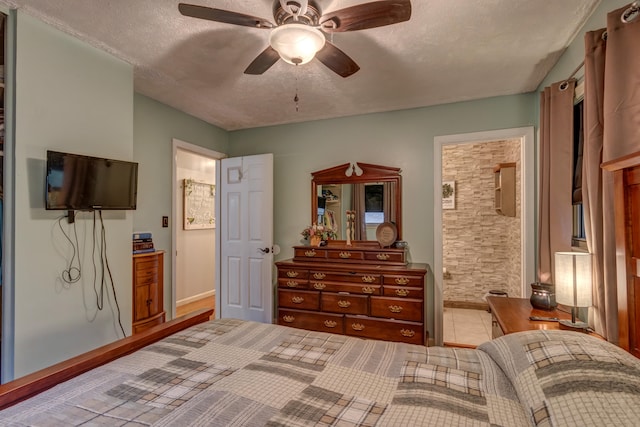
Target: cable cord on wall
(104, 265)
(71, 274)
(73, 271)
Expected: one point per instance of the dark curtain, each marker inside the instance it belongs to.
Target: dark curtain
(556, 159)
(612, 130)
(388, 201)
(357, 204)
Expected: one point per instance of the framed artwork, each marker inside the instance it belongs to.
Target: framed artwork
(199, 205)
(448, 194)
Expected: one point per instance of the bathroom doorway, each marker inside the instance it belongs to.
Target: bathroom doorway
(479, 248)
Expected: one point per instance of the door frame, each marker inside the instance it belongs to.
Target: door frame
(176, 145)
(527, 197)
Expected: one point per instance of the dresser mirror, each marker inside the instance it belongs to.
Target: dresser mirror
(373, 192)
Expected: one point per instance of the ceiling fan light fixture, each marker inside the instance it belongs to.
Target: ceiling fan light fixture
(297, 44)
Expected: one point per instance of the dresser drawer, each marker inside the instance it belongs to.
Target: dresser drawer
(304, 300)
(146, 277)
(310, 254)
(293, 273)
(352, 288)
(403, 280)
(293, 283)
(346, 255)
(397, 308)
(366, 278)
(384, 256)
(342, 303)
(314, 321)
(403, 292)
(146, 265)
(150, 323)
(383, 329)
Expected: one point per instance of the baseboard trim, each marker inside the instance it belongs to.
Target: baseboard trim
(195, 298)
(466, 304)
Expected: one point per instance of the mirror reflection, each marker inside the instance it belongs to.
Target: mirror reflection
(374, 201)
(374, 196)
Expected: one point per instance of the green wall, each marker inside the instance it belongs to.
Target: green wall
(400, 138)
(75, 98)
(155, 127)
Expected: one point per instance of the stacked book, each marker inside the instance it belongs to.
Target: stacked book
(142, 243)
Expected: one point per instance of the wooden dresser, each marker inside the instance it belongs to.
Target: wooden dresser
(362, 291)
(148, 304)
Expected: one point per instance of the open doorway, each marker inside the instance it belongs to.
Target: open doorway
(464, 261)
(193, 242)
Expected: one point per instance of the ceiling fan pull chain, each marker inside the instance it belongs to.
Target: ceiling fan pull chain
(295, 98)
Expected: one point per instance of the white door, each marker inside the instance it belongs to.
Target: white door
(245, 238)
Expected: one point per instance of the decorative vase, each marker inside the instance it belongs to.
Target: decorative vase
(315, 240)
(543, 296)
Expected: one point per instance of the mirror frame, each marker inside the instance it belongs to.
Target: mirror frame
(370, 173)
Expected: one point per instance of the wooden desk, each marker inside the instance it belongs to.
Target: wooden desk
(509, 315)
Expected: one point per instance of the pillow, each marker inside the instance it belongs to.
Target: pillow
(570, 378)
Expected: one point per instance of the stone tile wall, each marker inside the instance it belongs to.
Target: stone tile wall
(481, 249)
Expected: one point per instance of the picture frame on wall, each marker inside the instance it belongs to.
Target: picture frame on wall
(199, 205)
(448, 194)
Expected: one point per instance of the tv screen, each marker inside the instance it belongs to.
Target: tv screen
(78, 182)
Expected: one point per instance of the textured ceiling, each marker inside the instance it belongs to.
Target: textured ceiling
(449, 51)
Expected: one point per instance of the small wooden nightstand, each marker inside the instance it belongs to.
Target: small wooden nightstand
(509, 315)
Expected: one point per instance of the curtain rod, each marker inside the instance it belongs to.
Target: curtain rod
(575, 71)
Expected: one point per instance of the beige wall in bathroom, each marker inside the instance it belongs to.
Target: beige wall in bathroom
(481, 249)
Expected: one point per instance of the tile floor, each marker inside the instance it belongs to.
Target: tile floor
(466, 327)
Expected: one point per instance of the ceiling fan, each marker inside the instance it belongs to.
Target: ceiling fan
(297, 36)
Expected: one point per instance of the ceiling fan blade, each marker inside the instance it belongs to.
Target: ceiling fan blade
(366, 15)
(336, 60)
(263, 62)
(224, 16)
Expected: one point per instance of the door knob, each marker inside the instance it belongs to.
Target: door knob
(264, 250)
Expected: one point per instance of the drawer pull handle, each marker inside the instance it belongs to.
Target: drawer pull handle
(288, 319)
(297, 300)
(402, 292)
(395, 308)
(357, 326)
(368, 279)
(330, 323)
(319, 276)
(407, 333)
(310, 253)
(292, 284)
(402, 280)
(344, 304)
(368, 290)
(292, 274)
(382, 257)
(345, 255)
(319, 286)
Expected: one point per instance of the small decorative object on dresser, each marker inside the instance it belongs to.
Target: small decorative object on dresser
(543, 296)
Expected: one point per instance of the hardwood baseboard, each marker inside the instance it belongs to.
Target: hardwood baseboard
(466, 304)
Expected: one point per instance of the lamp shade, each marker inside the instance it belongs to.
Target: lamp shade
(296, 43)
(573, 275)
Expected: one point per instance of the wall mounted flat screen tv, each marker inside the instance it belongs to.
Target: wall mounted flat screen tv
(85, 183)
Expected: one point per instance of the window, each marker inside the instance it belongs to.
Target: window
(578, 236)
(373, 204)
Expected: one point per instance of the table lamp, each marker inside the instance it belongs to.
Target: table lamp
(573, 276)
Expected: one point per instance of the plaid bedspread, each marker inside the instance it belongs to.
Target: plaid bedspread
(236, 373)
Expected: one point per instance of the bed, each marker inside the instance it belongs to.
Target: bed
(229, 372)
